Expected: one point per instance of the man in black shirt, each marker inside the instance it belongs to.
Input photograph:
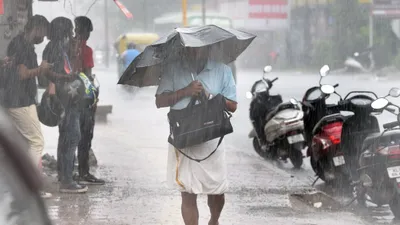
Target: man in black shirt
(20, 84)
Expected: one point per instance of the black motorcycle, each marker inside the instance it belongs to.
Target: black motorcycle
(379, 161)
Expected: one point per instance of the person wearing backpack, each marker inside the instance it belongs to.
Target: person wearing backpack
(70, 95)
(83, 63)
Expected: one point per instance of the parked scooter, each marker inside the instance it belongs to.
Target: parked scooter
(323, 127)
(281, 123)
(379, 161)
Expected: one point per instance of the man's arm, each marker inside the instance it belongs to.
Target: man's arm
(88, 62)
(229, 90)
(169, 99)
(231, 105)
(88, 73)
(51, 89)
(25, 73)
(54, 77)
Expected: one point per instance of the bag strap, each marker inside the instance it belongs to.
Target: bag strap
(200, 160)
(66, 59)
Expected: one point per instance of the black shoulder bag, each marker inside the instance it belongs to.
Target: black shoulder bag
(199, 123)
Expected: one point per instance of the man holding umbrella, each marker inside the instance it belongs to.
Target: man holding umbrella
(175, 91)
(190, 64)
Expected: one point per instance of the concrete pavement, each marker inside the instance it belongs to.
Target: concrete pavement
(132, 154)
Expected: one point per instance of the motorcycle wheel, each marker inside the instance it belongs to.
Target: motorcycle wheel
(395, 206)
(257, 148)
(296, 157)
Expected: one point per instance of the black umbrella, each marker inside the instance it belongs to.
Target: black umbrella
(225, 46)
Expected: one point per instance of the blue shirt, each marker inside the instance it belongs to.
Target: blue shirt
(217, 78)
(129, 55)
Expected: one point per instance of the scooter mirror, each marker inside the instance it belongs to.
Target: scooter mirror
(324, 71)
(327, 89)
(267, 69)
(294, 101)
(356, 54)
(394, 92)
(379, 103)
(249, 95)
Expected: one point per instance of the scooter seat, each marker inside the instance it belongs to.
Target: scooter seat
(373, 140)
(280, 107)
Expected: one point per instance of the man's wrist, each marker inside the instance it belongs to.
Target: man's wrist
(185, 92)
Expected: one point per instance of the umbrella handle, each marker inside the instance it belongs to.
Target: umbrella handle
(202, 98)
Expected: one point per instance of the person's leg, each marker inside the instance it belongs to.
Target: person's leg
(68, 143)
(216, 204)
(87, 128)
(190, 212)
(27, 123)
(84, 143)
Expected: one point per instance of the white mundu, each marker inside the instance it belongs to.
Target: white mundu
(207, 177)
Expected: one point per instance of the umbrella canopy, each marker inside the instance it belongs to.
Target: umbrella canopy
(225, 46)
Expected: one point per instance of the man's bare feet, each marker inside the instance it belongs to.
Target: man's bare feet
(211, 223)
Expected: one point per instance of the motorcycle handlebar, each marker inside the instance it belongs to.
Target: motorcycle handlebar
(390, 110)
(272, 81)
(336, 85)
(391, 125)
(307, 104)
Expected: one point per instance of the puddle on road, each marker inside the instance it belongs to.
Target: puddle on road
(322, 200)
(316, 200)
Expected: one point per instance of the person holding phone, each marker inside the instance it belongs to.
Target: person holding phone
(20, 87)
(56, 51)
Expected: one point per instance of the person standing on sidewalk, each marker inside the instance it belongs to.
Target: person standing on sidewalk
(61, 31)
(20, 87)
(177, 87)
(84, 64)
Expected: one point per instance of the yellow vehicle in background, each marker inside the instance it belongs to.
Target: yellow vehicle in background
(141, 40)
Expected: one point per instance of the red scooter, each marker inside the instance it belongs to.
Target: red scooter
(323, 127)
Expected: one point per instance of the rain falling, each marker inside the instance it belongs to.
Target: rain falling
(200, 112)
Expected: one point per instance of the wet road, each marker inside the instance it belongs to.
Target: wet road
(132, 152)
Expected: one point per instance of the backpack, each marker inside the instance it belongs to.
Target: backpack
(91, 92)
